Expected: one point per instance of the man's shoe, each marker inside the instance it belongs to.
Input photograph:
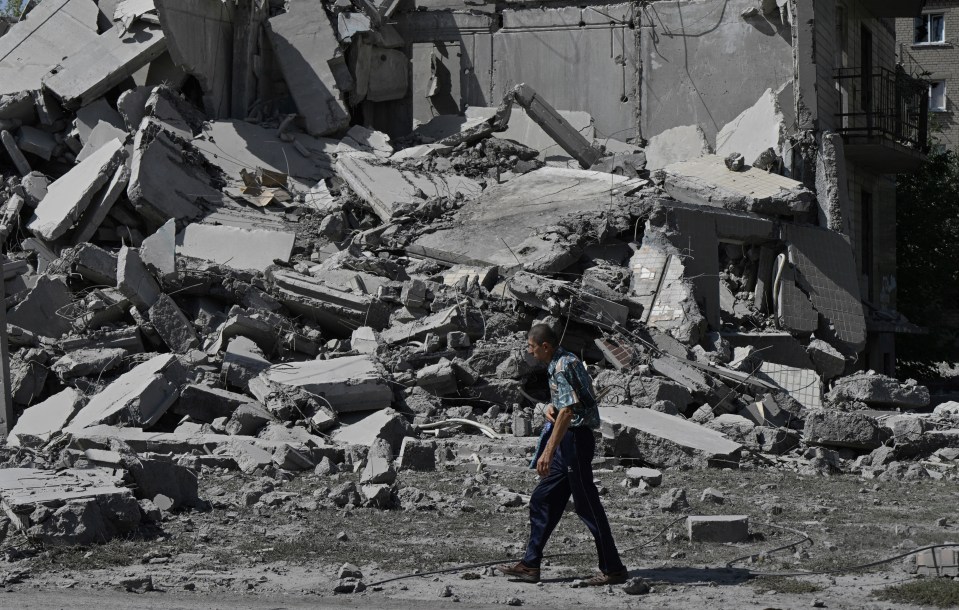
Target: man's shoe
(520, 571)
(613, 578)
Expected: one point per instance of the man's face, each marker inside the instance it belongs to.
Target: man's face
(541, 351)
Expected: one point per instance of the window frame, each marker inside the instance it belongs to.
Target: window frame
(928, 18)
(945, 98)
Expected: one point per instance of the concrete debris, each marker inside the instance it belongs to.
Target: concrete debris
(275, 238)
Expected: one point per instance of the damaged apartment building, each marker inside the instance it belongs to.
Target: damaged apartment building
(257, 235)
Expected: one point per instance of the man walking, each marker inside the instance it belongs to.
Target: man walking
(564, 462)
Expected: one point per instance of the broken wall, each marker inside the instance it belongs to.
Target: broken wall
(703, 63)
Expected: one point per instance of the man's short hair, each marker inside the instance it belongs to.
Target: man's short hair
(543, 333)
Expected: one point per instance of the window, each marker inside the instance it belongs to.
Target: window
(930, 29)
(937, 95)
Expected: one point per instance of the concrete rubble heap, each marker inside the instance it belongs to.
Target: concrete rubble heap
(216, 265)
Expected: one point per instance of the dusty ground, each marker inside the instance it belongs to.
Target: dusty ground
(287, 554)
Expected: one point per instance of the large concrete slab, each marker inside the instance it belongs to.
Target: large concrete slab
(69, 196)
(758, 128)
(218, 244)
(40, 311)
(305, 43)
(139, 397)
(491, 230)
(665, 440)
(707, 181)
(104, 63)
(38, 423)
(390, 191)
(54, 29)
(351, 383)
(524, 130)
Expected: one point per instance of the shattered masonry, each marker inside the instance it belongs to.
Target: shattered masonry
(277, 238)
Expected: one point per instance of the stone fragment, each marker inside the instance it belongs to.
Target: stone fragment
(135, 281)
(349, 383)
(718, 528)
(417, 455)
(242, 361)
(386, 424)
(713, 496)
(172, 325)
(365, 340)
(842, 429)
(218, 244)
(38, 423)
(875, 389)
(247, 419)
(438, 379)
(88, 362)
(41, 311)
(158, 251)
(379, 464)
(672, 501)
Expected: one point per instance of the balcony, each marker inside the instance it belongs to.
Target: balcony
(895, 8)
(883, 118)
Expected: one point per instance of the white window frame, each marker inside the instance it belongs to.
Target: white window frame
(928, 17)
(945, 99)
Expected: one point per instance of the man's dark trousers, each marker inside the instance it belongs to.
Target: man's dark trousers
(571, 473)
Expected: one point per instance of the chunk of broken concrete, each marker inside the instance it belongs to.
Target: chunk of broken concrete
(69, 196)
(204, 403)
(416, 454)
(379, 464)
(87, 362)
(351, 383)
(172, 325)
(664, 440)
(139, 397)
(842, 429)
(878, 390)
(38, 423)
(41, 311)
(135, 281)
(718, 528)
(242, 361)
(218, 243)
(386, 424)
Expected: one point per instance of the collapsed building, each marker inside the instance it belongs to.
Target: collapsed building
(278, 237)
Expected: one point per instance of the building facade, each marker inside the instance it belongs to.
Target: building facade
(928, 47)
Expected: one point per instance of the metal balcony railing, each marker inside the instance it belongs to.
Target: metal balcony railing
(883, 104)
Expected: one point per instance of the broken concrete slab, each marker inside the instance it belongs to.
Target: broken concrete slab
(172, 325)
(664, 440)
(158, 251)
(69, 196)
(439, 324)
(102, 134)
(242, 361)
(333, 305)
(81, 506)
(386, 424)
(526, 131)
(379, 464)
(45, 36)
(88, 362)
(755, 130)
(139, 397)
(804, 385)
(37, 142)
(41, 421)
(135, 281)
(305, 45)
(676, 145)
(94, 113)
(842, 429)
(828, 360)
(218, 244)
(350, 383)
(879, 390)
(42, 311)
(101, 205)
(718, 528)
(707, 181)
(391, 192)
(365, 340)
(104, 63)
(416, 454)
(495, 229)
(13, 151)
(204, 403)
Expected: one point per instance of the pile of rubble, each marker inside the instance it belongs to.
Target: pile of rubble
(286, 292)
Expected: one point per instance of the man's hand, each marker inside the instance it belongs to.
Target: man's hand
(551, 413)
(542, 464)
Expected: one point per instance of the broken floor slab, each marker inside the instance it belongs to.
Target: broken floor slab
(707, 181)
(350, 383)
(390, 191)
(41, 421)
(139, 397)
(676, 145)
(104, 63)
(757, 129)
(93, 497)
(69, 196)
(494, 229)
(335, 306)
(665, 440)
(305, 44)
(218, 244)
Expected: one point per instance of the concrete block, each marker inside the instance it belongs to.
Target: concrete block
(102, 134)
(417, 455)
(440, 324)
(438, 379)
(828, 360)
(842, 429)
(172, 325)
(718, 528)
(675, 145)
(248, 419)
(88, 362)
(664, 440)
(92, 114)
(101, 205)
(38, 311)
(37, 142)
(68, 197)
(13, 151)
(243, 361)
(390, 191)
(101, 65)
(879, 390)
(158, 251)
(217, 243)
(386, 424)
(379, 464)
(139, 397)
(135, 281)
(204, 403)
(41, 421)
(305, 43)
(365, 340)
(350, 383)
